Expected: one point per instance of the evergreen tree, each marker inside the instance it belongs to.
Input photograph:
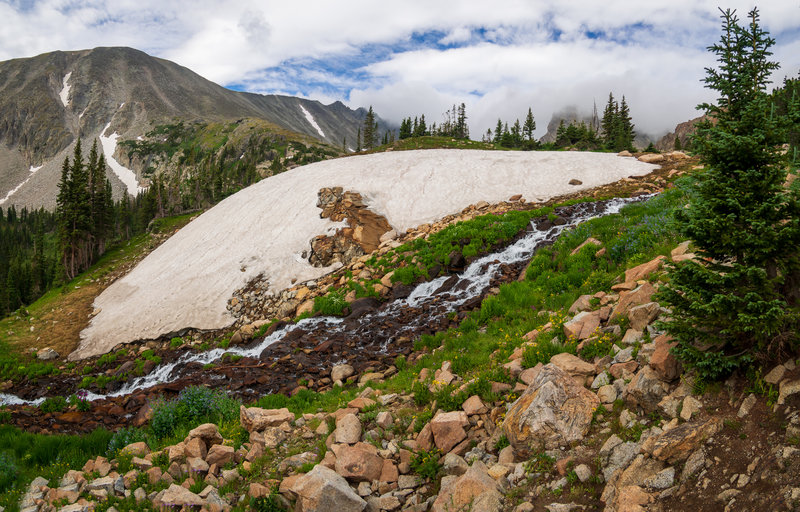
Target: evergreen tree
(529, 126)
(740, 302)
(421, 129)
(358, 140)
(609, 120)
(370, 137)
(405, 128)
(624, 128)
(498, 131)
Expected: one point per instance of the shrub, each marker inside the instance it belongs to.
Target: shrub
(266, 504)
(122, 438)
(53, 404)
(426, 463)
(194, 405)
(332, 304)
(165, 417)
(8, 470)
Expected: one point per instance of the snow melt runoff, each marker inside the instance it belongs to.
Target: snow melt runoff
(263, 229)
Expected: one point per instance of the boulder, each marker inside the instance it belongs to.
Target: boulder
(662, 361)
(583, 325)
(475, 490)
(47, 354)
(179, 496)
(340, 372)
(581, 304)
(474, 405)
(348, 429)
(646, 390)
(208, 432)
(643, 315)
(676, 444)
(256, 418)
(651, 158)
(448, 429)
(195, 447)
(358, 463)
(323, 490)
(573, 365)
(220, 455)
(139, 449)
(554, 411)
(644, 270)
(627, 300)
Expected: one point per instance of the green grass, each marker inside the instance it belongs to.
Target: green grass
(476, 348)
(49, 456)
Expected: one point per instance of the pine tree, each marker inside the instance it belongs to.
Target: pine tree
(358, 140)
(609, 121)
(738, 304)
(370, 133)
(498, 131)
(624, 127)
(530, 125)
(422, 129)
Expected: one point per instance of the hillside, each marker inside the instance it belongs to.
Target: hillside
(48, 101)
(433, 421)
(265, 230)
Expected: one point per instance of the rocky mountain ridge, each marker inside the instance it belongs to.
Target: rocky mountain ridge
(48, 101)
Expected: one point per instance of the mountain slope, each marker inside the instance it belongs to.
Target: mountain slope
(48, 101)
(265, 230)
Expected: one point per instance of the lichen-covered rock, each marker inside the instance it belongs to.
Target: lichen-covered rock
(256, 418)
(475, 491)
(676, 444)
(646, 390)
(554, 411)
(323, 490)
(448, 429)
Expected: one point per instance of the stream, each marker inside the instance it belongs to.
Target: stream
(428, 304)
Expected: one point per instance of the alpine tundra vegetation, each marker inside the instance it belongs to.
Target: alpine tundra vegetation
(418, 328)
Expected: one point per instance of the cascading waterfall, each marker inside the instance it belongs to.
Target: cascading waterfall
(425, 298)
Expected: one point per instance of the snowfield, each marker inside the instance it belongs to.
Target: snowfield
(64, 93)
(11, 192)
(127, 176)
(312, 121)
(187, 281)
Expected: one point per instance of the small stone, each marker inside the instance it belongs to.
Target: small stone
(583, 472)
(747, 405)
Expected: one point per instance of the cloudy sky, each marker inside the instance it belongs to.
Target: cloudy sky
(414, 56)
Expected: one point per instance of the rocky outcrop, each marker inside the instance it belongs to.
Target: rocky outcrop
(553, 411)
(362, 236)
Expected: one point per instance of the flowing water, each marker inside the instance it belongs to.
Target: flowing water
(430, 302)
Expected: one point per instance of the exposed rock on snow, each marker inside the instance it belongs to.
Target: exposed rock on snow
(264, 229)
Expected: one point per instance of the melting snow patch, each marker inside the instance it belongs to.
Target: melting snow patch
(311, 121)
(127, 176)
(12, 191)
(187, 281)
(64, 94)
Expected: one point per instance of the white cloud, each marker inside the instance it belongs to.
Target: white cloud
(506, 55)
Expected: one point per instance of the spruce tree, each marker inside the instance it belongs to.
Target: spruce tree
(498, 131)
(530, 125)
(609, 120)
(739, 302)
(370, 133)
